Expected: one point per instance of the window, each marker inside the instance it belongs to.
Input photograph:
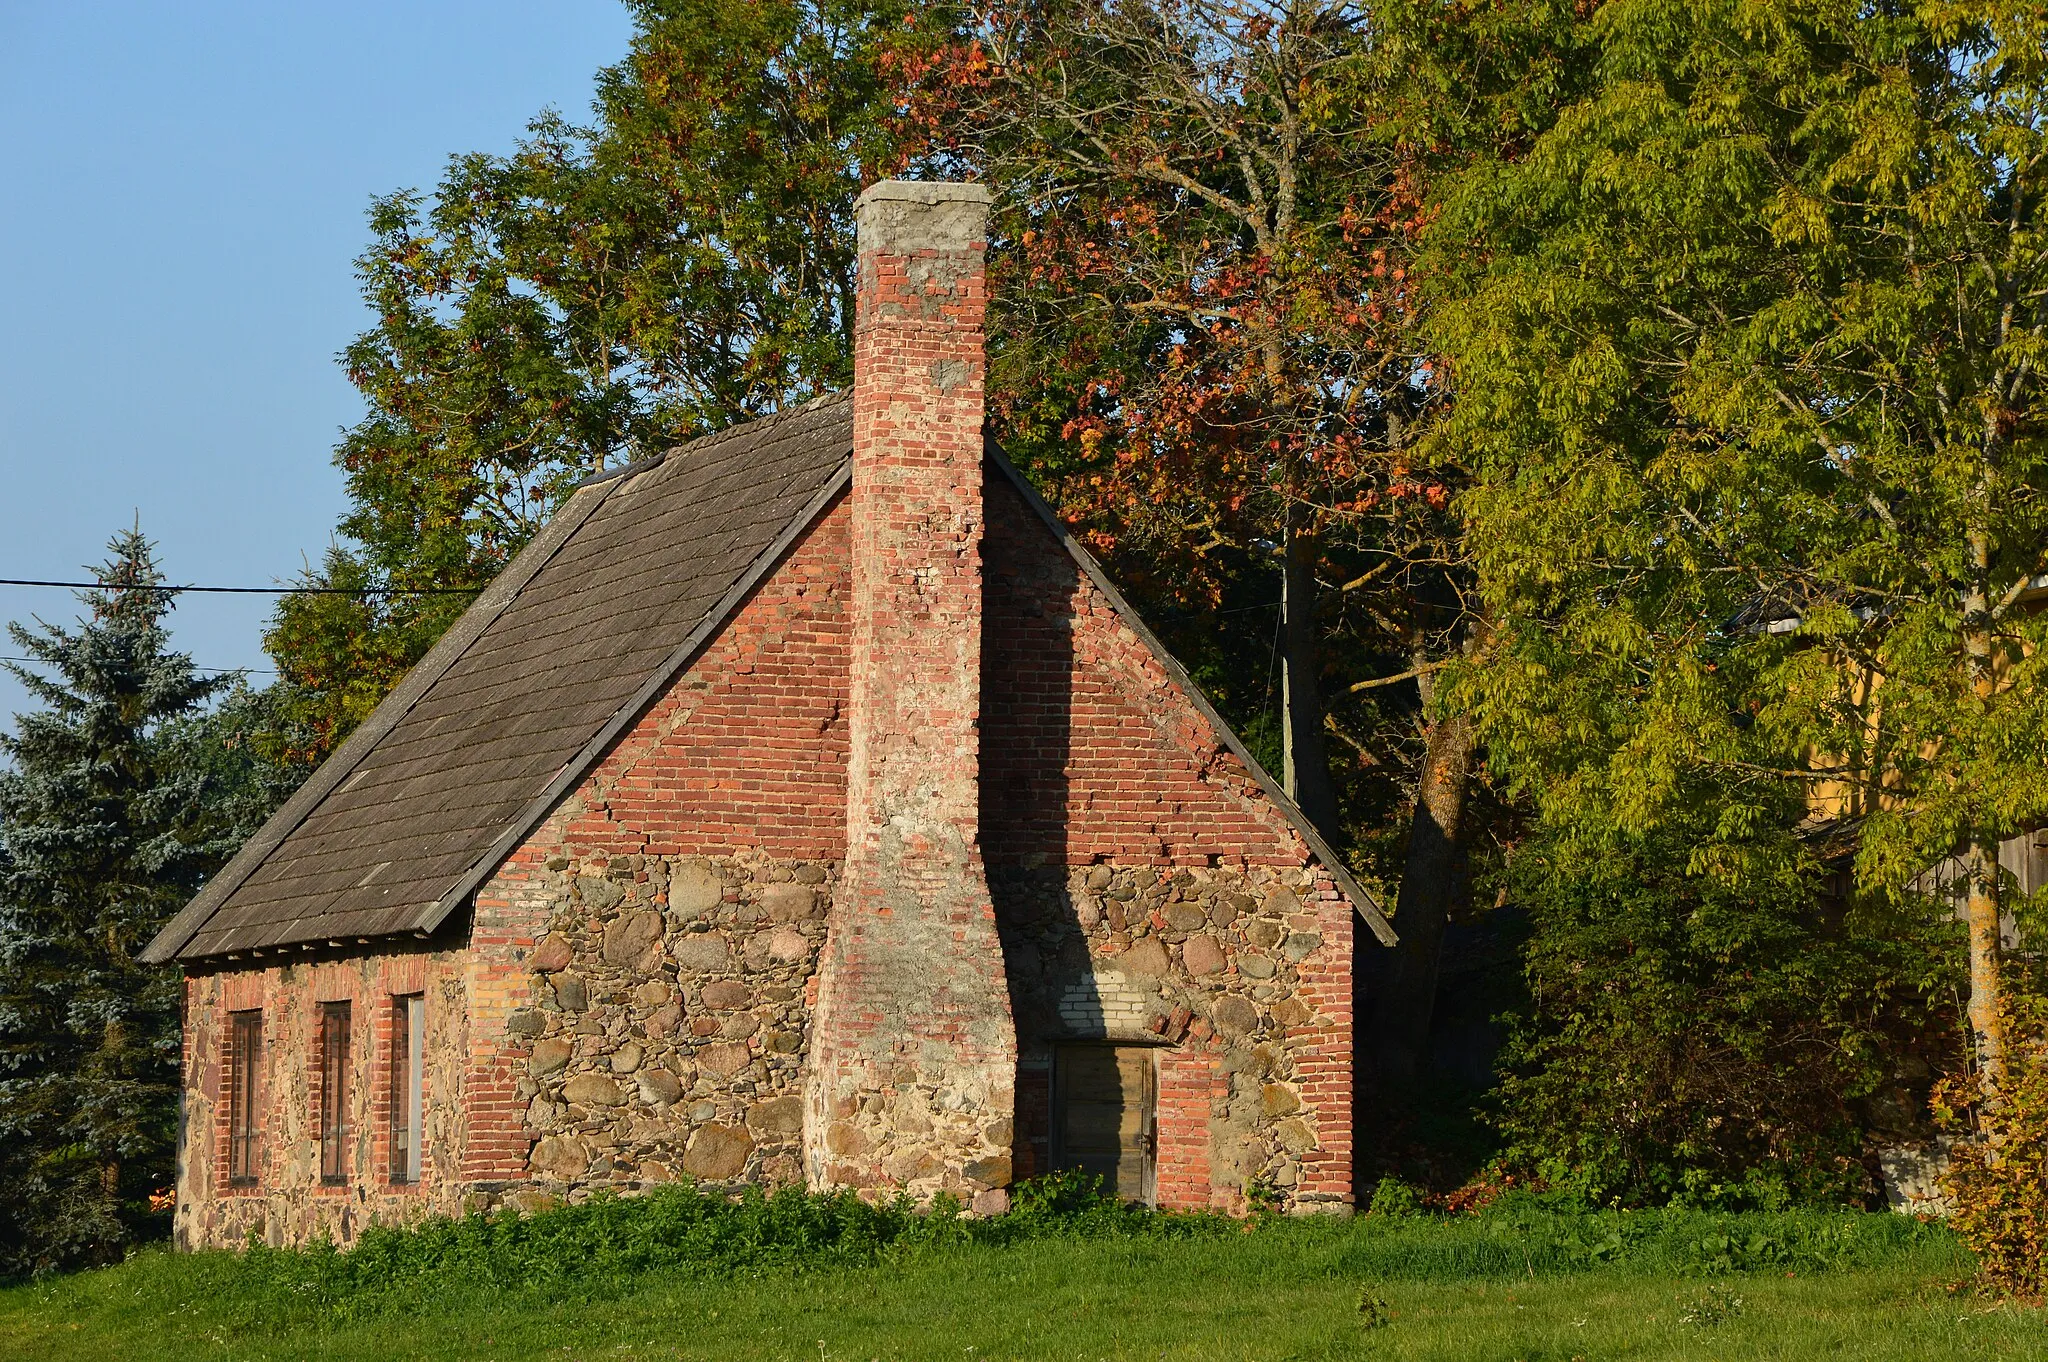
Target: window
(334, 1093)
(245, 1063)
(408, 1084)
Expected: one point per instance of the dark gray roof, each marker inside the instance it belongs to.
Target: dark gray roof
(554, 661)
(396, 829)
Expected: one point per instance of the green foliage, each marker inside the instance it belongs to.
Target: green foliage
(1746, 334)
(1523, 1235)
(1714, 1306)
(1071, 1201)
(123, 794)
(1391, 1196)
(597, 296)
(1698, 1039)
(1998, 1171)
(599, 1245)
(686, 262)
(1508, 1283)
(1202, 349)
(1744, 305)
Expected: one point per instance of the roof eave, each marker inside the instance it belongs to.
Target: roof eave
(172, 941)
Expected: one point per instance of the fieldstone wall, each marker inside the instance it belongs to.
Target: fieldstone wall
(289, 1204)
(670, 1020)
(1235, 973)
(671, 1014)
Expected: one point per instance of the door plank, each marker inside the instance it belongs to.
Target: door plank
(1103, 1115)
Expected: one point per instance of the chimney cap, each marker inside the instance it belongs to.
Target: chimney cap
(922, 215)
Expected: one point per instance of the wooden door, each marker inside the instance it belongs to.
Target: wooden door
(1102, 1115)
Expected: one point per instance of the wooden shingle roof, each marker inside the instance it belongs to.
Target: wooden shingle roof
(396, 829)
(553, 662)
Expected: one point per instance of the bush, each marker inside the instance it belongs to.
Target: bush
(597, 1247)
(1999, 1178)
(1696, 1039)
(1530, 1234)
(1394, 1197)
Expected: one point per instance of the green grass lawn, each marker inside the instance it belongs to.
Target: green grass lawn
(1529, 1285)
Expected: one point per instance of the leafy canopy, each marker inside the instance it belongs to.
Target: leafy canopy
(597, 296)
(1743, 304)
(1747, 347)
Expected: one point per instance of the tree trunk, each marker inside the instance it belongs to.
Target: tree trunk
(1306, 763)
(1987, 1030)
(1429, 885)
(1987, 998)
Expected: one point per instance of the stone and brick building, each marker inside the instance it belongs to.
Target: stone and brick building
(802, 805)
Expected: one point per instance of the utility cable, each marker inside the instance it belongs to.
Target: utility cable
(223, 671)
(259, 590)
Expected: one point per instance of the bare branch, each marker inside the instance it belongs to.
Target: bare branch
(1412, 674)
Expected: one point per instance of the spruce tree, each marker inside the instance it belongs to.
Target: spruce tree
(108, 823)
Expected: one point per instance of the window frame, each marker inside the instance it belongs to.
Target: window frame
(243, 1097)
(407, 1078)
(332, 1061)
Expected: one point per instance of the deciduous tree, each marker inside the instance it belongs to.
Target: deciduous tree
(599, 295)
(1207, 349)
(1747, 338)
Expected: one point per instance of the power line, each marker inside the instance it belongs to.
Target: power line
(224, 671)
(258, 590)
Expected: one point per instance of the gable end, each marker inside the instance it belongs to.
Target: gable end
(1362, 901)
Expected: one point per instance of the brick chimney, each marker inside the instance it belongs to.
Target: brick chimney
(913, 1055)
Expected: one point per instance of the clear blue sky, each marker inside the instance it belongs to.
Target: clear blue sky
(182, 195)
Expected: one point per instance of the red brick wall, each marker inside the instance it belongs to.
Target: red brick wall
(509, 917)
(749, 748)
(1324, 1060)
(1090, 753)
(1190, 1084)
